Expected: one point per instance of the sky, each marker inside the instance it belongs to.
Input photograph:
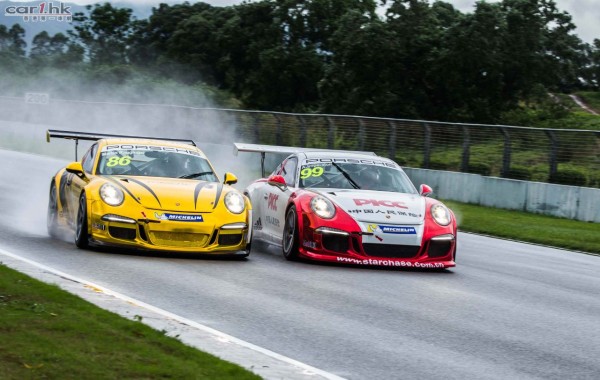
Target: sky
(585, 13)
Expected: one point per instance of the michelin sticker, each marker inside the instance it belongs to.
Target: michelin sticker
(179, 217)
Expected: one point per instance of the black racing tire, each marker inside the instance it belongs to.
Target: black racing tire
(290, 242)
(82, 239)
(52, 216)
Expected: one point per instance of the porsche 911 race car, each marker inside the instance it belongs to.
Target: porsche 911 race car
(351, 208)
(160, 195)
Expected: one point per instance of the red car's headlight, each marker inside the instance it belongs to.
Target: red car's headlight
(323, 207)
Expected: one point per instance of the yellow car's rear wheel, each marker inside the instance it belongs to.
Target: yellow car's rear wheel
(52, 216)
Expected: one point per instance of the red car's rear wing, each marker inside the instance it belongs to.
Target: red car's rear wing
(263, 149)
(72, 135)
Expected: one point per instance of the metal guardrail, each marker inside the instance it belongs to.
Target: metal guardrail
(496, 150)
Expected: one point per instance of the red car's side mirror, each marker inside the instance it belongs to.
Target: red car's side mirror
(276, 180)
(425, 190)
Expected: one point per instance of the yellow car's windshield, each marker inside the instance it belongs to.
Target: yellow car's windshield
(154, 161)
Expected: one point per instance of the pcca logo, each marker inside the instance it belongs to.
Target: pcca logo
(272, 202)
(375, 202)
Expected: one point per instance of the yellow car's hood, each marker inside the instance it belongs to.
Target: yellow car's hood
(172, 194)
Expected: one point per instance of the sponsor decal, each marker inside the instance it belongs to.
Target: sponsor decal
(389, 263)
(375, 202)
(258, 225)
(271, 220)
(98, 226)
(179, 217)
(272, 202)
(398, 230)
(309, 244)
(56, 11)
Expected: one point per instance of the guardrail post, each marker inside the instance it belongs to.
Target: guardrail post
(278, 130)
(302, 131)
(553, 161)
(464, 165)
(392, 146)
(427, 146)
(330, 133)
(506, 154)
(256, 128)
(361, 134)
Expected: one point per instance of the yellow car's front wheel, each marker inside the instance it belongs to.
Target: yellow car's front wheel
(82, 239)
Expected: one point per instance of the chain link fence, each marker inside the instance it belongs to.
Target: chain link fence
(563, 156)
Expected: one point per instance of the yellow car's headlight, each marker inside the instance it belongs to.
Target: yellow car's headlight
(111, 195)
(235, 202)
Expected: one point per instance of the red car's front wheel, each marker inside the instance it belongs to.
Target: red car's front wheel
(290, 235)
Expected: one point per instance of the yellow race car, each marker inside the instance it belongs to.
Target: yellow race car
(160, 195)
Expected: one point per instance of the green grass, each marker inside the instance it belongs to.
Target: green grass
(528, 227)
(48, 333)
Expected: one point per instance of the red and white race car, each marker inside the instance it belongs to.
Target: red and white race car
(349, 207)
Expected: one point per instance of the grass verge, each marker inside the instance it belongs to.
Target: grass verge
(528, 227)
(49, 333)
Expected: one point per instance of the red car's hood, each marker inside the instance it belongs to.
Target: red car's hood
(380, 206)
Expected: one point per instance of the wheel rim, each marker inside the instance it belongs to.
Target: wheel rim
(288, 235)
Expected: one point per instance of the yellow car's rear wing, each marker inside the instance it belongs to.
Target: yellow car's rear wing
(72, 135)
(263, 149)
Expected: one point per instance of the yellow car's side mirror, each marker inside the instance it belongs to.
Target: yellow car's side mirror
(75, 168)
(230, 179)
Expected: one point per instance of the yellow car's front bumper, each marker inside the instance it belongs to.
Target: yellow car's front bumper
(217, 232)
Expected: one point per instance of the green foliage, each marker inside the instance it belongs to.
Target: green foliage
(569, 176)
(519, 172)
(480, 168)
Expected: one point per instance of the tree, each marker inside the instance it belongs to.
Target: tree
(104, 33)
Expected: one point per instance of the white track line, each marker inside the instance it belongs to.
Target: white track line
(220, 335)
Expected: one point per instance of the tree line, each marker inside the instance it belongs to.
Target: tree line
(389, 58)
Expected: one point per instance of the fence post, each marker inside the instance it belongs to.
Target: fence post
(330, 133)
(553, 161)
(361, 134)
(427, 146)
(506, 154)
(464, 165)
(302, 131)
(278, 130)
(392, 146)
(256, 128)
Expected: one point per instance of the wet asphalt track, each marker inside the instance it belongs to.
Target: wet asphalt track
(508, 311)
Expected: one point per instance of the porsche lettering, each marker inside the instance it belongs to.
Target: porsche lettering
(121, 147)
(321, 161)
